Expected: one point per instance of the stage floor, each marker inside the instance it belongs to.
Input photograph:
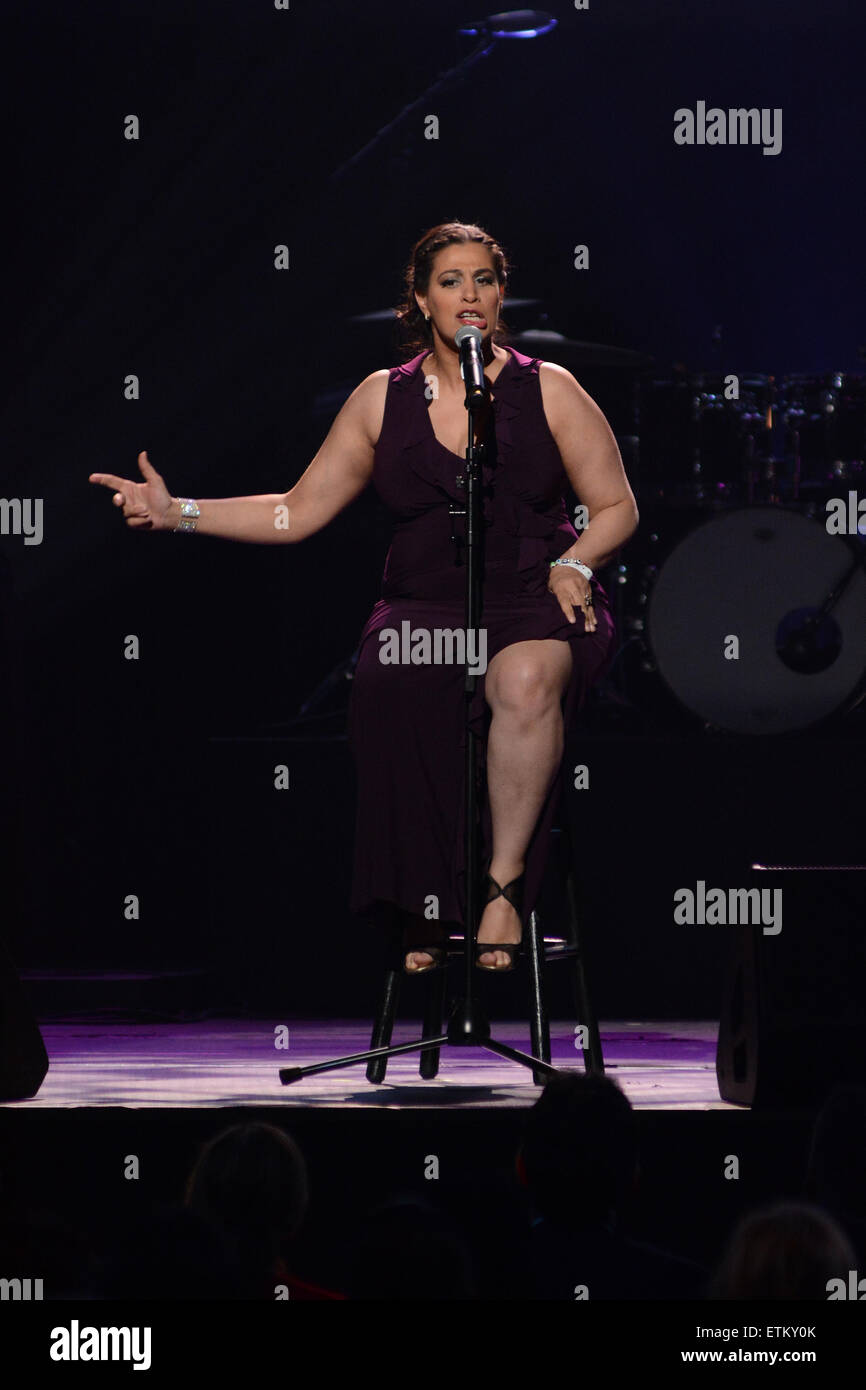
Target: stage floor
(236, 1062)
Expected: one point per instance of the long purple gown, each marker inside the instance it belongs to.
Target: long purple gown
(407, 722)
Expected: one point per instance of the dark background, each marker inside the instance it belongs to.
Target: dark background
(155, 257)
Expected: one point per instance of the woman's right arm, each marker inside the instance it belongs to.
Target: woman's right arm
(338, 473)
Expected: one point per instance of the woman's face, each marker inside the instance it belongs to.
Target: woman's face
(463, 289)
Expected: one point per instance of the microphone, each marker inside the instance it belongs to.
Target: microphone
(468, 340)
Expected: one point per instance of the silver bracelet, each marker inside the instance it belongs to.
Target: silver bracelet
(189, 511)
(576, 565)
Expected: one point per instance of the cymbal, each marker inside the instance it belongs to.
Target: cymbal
(571, 352)
(383, 315)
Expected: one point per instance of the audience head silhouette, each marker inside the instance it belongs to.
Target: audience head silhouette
(251, 1181)
(789, 1250)
(579, 1151)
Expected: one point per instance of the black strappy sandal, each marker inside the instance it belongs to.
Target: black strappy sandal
(439, 954)
(437, 949)
(512, 893)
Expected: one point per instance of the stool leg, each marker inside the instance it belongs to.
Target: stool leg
(593, 1058)
(434, 1013)
(383, 1026)
(539, 1026)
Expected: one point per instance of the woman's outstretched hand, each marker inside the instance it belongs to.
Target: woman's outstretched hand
(145, 505)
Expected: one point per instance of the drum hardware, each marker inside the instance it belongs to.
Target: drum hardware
(812, 641)
(825, 429)
(705, 445)
(573, 353)
(712, 467)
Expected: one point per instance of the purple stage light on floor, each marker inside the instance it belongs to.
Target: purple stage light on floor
(217, 1062)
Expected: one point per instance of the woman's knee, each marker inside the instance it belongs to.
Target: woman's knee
(527, 686)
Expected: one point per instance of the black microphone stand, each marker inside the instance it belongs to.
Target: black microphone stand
(468, 1025)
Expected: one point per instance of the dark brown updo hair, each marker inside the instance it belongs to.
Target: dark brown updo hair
(415, 328)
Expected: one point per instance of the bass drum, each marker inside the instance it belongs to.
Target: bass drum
(735, 625)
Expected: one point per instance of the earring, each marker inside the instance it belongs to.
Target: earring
(427, 317)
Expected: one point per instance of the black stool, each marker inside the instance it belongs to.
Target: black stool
(538, 950)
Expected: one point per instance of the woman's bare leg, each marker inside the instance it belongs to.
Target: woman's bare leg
(524, 686)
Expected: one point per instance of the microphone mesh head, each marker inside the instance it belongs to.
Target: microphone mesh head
(468, 330)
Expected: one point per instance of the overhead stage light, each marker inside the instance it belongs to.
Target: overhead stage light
(511, 24)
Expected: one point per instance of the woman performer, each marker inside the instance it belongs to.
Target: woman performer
(546, 632)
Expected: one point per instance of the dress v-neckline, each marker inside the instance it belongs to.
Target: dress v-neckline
(493, 385)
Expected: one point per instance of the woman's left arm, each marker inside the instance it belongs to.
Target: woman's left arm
(593, 464)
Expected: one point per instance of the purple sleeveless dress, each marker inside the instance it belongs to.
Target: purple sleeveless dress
(407, 722)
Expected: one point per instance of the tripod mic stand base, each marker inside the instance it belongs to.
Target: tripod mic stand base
(468, 1025)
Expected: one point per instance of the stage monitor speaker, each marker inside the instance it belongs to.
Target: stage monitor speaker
(792, 1021)
(23, 1059)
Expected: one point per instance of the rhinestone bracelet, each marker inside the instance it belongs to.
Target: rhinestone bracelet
(189, 513)
(576, 565)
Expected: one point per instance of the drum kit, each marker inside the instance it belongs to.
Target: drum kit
(736, 473)
(734, 596)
